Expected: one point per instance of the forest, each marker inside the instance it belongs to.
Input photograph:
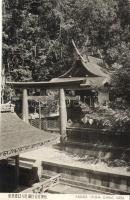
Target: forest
(37, 35)
(37, 38)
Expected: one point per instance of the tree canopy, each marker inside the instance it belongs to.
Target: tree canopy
(37, 36)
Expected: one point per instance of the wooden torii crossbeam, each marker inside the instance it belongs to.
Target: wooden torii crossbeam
(61, 85)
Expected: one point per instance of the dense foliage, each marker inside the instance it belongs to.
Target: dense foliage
(37, 38)
(37, 34)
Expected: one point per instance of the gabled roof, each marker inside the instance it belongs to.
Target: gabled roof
(17, 136)
(85, 68)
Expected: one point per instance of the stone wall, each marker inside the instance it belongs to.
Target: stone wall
(98, 180)
(95, 136)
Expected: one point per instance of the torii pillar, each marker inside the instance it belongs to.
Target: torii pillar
(25, 106)
(63, 116)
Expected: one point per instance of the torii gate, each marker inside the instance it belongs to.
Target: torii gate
(59, 84)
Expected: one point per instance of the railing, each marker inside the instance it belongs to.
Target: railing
(7, 108)
(41, 187)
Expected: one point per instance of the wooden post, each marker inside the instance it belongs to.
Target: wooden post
(17, 171)
(25, 106)
(39, 115)
(2, 96)
(2, 83)
(63, 116)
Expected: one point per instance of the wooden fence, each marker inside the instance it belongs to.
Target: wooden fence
(45, 124)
